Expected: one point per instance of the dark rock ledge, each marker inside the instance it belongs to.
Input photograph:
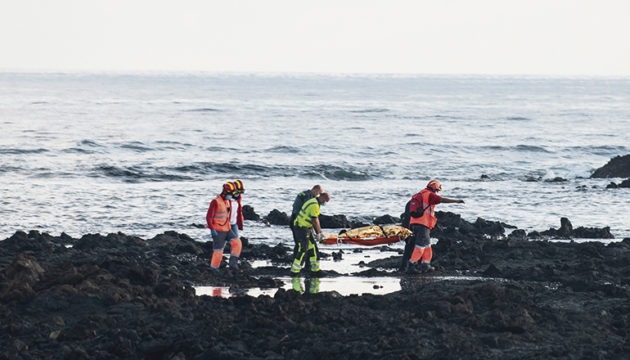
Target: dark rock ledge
(118, 296)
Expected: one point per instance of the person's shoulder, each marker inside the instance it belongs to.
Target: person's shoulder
(313, 203)
(418, 195)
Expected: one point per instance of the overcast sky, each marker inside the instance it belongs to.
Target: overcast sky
(542, 37)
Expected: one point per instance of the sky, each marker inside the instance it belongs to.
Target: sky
(521, 37)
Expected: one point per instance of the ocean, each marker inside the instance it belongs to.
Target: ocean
(145, 153)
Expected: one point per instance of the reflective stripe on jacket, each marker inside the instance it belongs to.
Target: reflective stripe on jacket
(309, 211)
(220, 219)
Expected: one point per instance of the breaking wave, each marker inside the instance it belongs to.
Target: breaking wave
(15, 151)
(201, 170)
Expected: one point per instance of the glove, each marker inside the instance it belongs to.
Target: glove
(320, 237)
(214, 233)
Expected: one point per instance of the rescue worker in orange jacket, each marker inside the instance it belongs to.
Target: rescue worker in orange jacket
(423, 219)
(218, 221)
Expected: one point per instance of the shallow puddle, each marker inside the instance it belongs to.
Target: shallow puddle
(344, 285)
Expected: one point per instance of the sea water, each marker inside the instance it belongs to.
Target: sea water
(145, 153)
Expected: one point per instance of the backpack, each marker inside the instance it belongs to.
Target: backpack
(406, 217)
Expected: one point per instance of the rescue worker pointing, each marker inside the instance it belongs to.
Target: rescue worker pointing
(307, 222)
(422, 211)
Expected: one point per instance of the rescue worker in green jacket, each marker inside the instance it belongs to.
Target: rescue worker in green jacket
(300, 199)
(307, 222)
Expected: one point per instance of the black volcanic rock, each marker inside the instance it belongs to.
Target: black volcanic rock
(249, 213)
(566, 228)
(593, 233)
(118, 296)
(566, 231)
(334, 221)
(618, 166)
(624, 184)
(276, 217)
(612, 185)
(386, 220)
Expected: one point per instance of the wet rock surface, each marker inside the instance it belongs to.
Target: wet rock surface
(623, 184)
(118, 296)
(618, 166)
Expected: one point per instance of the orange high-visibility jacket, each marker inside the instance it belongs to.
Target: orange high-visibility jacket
(428, 218)
(218, 215)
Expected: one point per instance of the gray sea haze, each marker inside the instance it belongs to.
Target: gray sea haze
(145, 153)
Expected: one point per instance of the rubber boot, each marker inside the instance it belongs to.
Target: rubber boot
(412, 268)
(426, 267)
(234, 263)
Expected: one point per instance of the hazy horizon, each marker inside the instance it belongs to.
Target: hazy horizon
(457, 37)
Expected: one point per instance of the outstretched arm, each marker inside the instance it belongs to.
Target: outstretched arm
(452, 201)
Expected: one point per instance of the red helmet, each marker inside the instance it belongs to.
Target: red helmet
(434, 185)
(240, 188)
(229, 187)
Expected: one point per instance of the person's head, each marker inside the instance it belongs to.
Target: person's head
(228, 190)
(240, 188)
(316, 190)
(434, 186)
(323, 198)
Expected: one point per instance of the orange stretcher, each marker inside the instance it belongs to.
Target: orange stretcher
(369, 235)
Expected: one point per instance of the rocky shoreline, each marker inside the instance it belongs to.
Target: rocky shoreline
(119, 296)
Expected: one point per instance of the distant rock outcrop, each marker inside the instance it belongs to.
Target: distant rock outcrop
(334, 221)
(277, 217)
(618, 166)
(249, 213)
(566, 231)
(623, 184)
(386, 219)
